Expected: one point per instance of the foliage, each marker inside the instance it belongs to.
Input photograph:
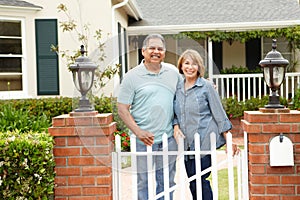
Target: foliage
(12, 119)
(125, 140)
(235, 108)
(26, 166)
(295, 104)
(291, 33)
(240, 70)
(103, 75)
(36, 114)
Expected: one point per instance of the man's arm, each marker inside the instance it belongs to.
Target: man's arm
(146, 137)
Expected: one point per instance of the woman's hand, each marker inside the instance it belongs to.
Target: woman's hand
(235, 148)
(178, 133)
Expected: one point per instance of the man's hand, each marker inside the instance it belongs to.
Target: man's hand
(146, 137)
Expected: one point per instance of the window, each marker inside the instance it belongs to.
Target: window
(11, 55)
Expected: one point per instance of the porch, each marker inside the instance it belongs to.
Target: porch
(245, 86)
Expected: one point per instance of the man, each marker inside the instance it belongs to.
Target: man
(145, 104)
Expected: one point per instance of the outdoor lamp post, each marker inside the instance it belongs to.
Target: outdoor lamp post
(274, 66)
(83, 71)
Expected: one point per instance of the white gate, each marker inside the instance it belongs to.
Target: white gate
(125, 178)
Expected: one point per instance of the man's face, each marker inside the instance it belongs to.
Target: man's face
(155, 51)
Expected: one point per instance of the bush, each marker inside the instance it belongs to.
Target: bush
(26, 166)
(235, 109)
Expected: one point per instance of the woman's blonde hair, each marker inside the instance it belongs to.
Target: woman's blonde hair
(197, 59)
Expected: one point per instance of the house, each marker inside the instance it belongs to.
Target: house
(29, 69)
(173, 17)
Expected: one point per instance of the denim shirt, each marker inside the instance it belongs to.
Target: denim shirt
(199, 110)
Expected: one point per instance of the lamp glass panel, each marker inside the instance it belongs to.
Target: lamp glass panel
(86, 80)
(267, 76)
(75, 80)
(278, 75)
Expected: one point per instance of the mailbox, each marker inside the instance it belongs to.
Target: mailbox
(281, 151)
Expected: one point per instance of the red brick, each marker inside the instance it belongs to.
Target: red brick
(105, 197)
(96, 150)
(96, 170)
(78, 180)
(104, 140)
(280, 170)
(258, 169)
(67, 171)
(80, 141)
(276, 128)
(58, 121)
(256, 189)
(84, 198)
(251, 128)
(257, 148)
(293, 116)
(259, 138)
(280, 189)
(262, 179)
(60, 141)
(61, 181)
(60, 161)
(67, 191)
(99, 190)
(104, 160)
(81, 114)
(79, 121)
(104, 180)
(264, 197)
(289, 197)
(106, 118)
(66, 151)
(76, 161)
(259, 159)
(290, 180)
(263, 118)
(63, 131)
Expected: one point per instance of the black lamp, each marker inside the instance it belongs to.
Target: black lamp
(274, 67)
(83, 71)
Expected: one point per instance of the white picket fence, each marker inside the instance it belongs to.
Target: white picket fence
(125, 179)
(245, 86)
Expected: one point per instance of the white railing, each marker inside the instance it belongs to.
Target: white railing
(245, 86)
(125, 179)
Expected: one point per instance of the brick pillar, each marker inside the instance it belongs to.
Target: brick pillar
(266, 182)
(83, 155)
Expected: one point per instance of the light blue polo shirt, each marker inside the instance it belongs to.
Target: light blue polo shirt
(151, 98)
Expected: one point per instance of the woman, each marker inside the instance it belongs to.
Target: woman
(198, 109)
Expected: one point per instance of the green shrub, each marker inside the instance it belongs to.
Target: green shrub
(235, 108)
(296, 100)
(26, 166)
(22, 120)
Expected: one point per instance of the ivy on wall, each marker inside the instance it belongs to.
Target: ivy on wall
(292, 34)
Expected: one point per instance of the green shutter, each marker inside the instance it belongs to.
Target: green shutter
(47, 60)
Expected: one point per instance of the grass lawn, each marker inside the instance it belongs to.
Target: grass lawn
(223, 183)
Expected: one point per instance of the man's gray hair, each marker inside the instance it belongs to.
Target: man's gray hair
(153, 36)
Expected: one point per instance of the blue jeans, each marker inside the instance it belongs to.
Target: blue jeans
(191, 170)
(142, 172)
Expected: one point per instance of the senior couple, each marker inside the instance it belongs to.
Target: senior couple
(155, 98)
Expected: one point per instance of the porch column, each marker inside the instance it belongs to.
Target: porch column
(83, 155)
(281, 180)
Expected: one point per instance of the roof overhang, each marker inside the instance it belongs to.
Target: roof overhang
(132, 10)
(175, 29)
(18, 8)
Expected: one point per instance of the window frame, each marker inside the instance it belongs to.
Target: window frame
(24, 92)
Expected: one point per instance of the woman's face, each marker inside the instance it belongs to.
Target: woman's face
(189, 68)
